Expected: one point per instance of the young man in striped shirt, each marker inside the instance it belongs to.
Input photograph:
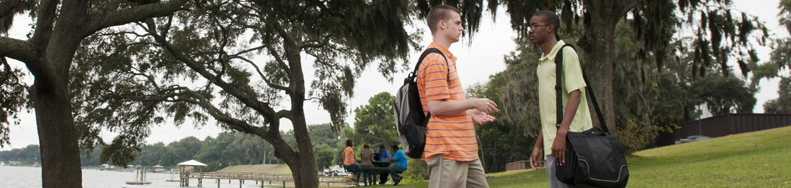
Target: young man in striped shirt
(451, 150)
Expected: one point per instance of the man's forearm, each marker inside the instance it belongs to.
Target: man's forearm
(540, 140)
(448, 107)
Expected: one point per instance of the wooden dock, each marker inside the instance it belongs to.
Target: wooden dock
(268, 180)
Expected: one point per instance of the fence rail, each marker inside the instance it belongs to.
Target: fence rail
(517, 165)
(277, 179)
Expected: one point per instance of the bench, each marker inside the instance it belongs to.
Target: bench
(378, 167)
(377, 170)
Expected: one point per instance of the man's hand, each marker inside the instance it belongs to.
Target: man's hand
(480, 118)
(559, 148)
(484, 105)
(535, 158)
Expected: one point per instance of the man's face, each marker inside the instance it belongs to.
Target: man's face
(454, 28)
(539, 30)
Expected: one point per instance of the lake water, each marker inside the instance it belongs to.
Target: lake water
(30, 177)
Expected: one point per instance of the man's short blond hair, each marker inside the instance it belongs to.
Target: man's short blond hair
(437, 13)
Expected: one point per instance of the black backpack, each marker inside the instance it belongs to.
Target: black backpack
(409, 117)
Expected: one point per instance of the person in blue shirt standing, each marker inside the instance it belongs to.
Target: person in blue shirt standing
(400, 164)
(383, 154)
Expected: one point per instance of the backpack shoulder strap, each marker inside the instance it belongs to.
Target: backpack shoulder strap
(419, 61)
(559, 90)
(423, 56)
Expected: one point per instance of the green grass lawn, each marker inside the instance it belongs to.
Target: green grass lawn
(757, 159)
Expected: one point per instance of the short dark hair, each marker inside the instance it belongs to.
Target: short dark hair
(395, 147)
(437, 13)
(381, 146)
(349, 142)
(552, 18)
(367, 145)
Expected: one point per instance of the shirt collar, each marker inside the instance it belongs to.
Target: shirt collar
(553, 52)
(442, 49)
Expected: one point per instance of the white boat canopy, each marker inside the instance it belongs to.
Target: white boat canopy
(191, 163)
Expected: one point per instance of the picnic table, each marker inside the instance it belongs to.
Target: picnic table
(377, 168)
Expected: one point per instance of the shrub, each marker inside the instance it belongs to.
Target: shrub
(417, 169)
(636, 132)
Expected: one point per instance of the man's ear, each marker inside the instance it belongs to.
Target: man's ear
(441, 24)
(551, 28)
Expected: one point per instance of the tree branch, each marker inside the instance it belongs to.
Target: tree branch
(250, 101)
(128, 15)
(249, 50)
(45, 18)
(19, 50)
(629, 5)
(287, 38)
(315, 43)
(285, 114)
(258, 70)
(219, 115)
(280, 61)
(122, 33)
(7, 5)
(166, 29)
(148, 77)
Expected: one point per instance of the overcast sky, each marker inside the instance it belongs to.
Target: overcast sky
(475, 64)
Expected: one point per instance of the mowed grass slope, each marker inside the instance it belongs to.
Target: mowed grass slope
(757, 159)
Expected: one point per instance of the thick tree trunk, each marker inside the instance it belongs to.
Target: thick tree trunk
(307, 174)
(598, 43)
(60, 154)
(302, 163)
(60, 158)
(600, 68)
(304, 168)
(54, 44)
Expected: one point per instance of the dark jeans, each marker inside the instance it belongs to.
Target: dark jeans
(383, 175)
(383, 178)
(355, 170)
(367, 177)
(394, 172)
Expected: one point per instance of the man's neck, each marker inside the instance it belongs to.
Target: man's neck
(547, 46)
(444, 42)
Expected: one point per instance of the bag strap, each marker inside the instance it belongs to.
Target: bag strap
(413, 75)
(423, 56)
(559, 90)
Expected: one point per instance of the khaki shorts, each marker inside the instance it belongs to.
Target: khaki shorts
(450, 173)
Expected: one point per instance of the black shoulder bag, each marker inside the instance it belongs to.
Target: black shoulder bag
(594, 158)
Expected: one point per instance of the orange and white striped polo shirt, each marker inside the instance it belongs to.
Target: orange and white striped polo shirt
(452, 136)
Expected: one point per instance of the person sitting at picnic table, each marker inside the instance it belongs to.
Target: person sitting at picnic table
(400, 164)
(348, 160)
(384, 154)
(366, 160)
